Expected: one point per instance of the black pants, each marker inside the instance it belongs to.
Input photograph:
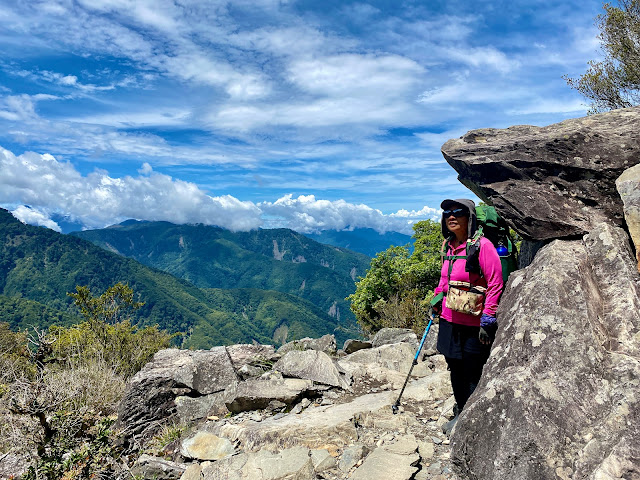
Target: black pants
(465, 357)
(465, 375)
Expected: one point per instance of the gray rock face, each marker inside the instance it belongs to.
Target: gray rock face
(628, 185)
(560, 394)
(257, 394)
(151, 393)
(190, 409)
(12, 466)
(534, 176)
(311, 365)
(387, 336)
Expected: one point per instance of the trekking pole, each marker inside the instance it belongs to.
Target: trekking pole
(396, 405)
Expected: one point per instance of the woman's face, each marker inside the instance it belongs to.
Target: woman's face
(455, 223)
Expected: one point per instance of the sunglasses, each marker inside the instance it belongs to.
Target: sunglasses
(457, 212)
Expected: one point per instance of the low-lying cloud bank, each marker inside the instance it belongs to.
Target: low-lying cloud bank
(36, 187)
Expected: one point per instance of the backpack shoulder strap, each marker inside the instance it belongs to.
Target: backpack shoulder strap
(450, 258)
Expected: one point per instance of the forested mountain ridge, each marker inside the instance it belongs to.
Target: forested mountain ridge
(212, 257)
(41, 265)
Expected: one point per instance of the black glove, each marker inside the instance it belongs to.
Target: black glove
(484, 337)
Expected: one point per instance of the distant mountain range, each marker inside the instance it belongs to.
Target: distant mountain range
(212, 257)
(363, 240)
(38, 267)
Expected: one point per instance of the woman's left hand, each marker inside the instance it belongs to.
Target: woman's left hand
(487, 323)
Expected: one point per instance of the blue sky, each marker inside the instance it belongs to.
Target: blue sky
(263, 113)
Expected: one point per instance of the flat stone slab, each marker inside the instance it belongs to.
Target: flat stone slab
(314, 428)
(290, 464)
(382, 464)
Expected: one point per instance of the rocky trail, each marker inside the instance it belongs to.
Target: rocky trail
(316, 414)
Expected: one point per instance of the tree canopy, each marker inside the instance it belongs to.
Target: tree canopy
(614, 82)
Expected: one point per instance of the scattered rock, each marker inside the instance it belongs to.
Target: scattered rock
(251, 355)
(206, 446)
(381, 464)
(157, 468)
(151, 393)
(397, 356)
(386, 336)
(12, 465)
(311, 365)
(312, 428)
(351, 346)
(322, 460)
(190, 408)
(351, 456)
(256, 394)
(291, 464)
(325, 344)
(426, 450)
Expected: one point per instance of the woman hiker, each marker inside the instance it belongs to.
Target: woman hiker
(468, 320)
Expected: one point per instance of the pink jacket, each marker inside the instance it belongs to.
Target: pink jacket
(492, 280)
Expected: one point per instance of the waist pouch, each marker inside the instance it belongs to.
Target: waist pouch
(466, 298)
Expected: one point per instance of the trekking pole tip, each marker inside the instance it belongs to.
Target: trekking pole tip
(394, 408)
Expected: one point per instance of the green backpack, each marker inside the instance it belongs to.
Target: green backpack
(493, 227)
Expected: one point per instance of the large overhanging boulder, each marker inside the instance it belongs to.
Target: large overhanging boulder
(551, 182)
(560, 394)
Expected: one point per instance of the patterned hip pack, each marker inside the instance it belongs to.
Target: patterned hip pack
(466, 298)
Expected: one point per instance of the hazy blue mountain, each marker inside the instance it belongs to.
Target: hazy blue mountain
(363, 240)
(212, 257)
(38, 266)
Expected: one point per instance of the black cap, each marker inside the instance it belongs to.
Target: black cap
(448, 203)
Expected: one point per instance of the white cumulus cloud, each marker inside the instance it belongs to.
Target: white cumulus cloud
(307, 214)
(34, 217)
(97, 199)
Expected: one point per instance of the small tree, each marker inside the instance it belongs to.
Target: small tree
(396, 288)
(614, 82)
(107, 333)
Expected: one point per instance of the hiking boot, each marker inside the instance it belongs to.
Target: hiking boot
(447, 428)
